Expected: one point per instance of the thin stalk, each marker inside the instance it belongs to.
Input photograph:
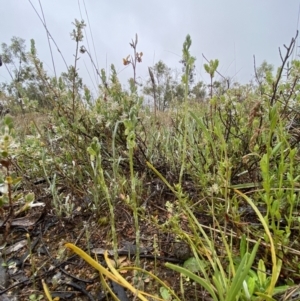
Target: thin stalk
(184, 145)
(135, 206)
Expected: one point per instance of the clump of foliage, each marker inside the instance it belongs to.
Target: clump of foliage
(230, 154)
(9, 179)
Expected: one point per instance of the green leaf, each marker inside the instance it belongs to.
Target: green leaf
(29, 197)
(276, 148)
(243, 246)
(265, 297)
(192, 265)
(91, 151)
(165, 294)
(251, 282)
(207, 69)
(4, 154)
(241, 274)
(261, 273)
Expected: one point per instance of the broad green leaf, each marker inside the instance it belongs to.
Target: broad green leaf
(261, 273)
(165, 294)
(192, 265)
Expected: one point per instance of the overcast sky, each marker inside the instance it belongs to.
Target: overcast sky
(229, 30)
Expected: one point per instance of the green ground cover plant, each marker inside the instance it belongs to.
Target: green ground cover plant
(223, 173)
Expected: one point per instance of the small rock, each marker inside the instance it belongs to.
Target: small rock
(182, 250)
